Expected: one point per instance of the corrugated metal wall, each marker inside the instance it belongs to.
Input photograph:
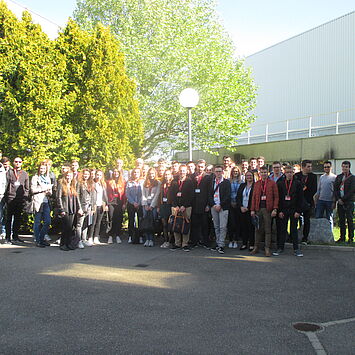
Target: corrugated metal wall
(309, 74)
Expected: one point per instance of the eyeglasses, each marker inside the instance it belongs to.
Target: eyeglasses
(327, 167)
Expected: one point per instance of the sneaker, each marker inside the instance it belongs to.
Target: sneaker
(146, 244)
(214, 248)
(206, 246)
(140, 240)
(175, 247)
(165, 245)
(129, 240)
(277, 252)
(47, 238)
(298, 253)
(186, 248)
(118, 240)
(90, 242)
(231, 245)
(235, 245)
(97, 240)
(40, 245)
(3, 236)
(7, 241)
(220, 250)
(110, 240)
(81, 245)
(64, 248)
(87, 243)
(151, 243)
(340, 240)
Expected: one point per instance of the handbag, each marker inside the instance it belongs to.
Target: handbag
(179, 224)
(30, 206)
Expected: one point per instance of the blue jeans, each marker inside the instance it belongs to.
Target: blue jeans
(149, 236)
(327, 207)
(2, 217)
(42, 215)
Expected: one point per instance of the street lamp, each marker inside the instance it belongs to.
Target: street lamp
(189, 98)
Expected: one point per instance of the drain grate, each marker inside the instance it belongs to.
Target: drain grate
(307, 327)
(17, 252)
(142, 265)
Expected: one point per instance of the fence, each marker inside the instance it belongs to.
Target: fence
(303, 127)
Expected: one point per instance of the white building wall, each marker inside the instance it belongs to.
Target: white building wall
(307, 75)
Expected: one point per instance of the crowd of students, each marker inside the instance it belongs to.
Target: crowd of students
(243, 203)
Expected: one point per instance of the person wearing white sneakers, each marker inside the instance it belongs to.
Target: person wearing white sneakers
(150, 198)
(100, 206)
(234, 211)
(86, 193)
(134, 206)
(116, 204)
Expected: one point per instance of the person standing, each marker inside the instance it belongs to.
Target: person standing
(134, 206)
(219, 200)
(3, 184)
(309, 183)
(116, 204)
(290, 207)
(265, 202)
(234, 212)
(41, 190)
(181, 197)
(199, 217)
(325, 194)
(276, 171)
(344, 192)
(150, 199)
(68, 208)
(244, 199)
(75, 169)
(17, 192)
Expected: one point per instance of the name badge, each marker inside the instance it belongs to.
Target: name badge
(216, 195)
(17, 183)
(197, 191)
(263, 198)
(165, 199)
(288, 198)
(178, 194)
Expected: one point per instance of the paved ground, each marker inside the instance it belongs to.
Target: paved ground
(127, 299)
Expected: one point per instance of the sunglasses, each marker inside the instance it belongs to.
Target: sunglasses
(17, 161)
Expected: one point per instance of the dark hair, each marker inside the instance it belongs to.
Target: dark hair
(226, 157)
(328, 162)
(264, 168)
(4, 160)
(276, 162)
(305, 162)
(253, 158)
(346, 162)
(218, 167)
(200, 161)
(190, 162)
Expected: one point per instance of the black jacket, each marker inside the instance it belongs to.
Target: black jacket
(296, 195)
(349, 188)
(309, 182)
(200, 200)
(240, 195)
(20, 192)
(187, 193)
(224, 193)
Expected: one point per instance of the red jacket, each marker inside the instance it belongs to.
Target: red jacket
(272, 196)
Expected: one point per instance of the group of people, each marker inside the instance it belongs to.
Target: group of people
(245, 202)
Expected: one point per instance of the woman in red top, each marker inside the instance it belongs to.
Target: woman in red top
(115, 188)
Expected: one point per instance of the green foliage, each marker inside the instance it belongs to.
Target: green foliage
(64, 99)
(170, 45)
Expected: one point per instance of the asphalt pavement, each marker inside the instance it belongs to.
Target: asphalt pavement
(128, 299)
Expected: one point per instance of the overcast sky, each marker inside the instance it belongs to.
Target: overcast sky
(253, 25)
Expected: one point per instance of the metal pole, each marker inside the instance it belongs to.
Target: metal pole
(310, 127)
(190, 134)
(287, 130)
(249, 137)
(266, 132)
(337, 125)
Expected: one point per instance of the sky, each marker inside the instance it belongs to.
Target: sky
(253, 25)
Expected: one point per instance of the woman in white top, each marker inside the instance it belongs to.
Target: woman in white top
(150, 199)
(99, 208)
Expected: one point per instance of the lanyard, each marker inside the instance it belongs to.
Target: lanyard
(288, 186)
(346, 178)
(198, 179)
(181, 184)
(263, 187)
(217, 182)
(247, 191)
(17, 176)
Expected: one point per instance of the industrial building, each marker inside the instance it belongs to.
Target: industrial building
(306, 98)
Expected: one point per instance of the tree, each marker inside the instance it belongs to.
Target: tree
(170, 45)
(31, 92)
(103, 111)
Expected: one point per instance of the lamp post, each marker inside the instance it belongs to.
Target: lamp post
(189, 98)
